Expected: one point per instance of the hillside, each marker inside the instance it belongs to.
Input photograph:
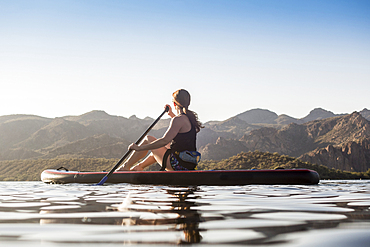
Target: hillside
(92, 135)
(258, 116)
(30, 170)
(264, 160)
(349, 156)
(262, 116)
(334, 140)
(306, 141)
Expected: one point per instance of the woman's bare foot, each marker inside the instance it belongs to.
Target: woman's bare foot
(122, 169)
(137, 168)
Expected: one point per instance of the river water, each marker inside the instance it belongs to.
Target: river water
(333, 213)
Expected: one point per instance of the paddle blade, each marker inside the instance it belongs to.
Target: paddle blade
(102, 181)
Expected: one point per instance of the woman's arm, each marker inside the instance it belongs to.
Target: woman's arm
(171, 132)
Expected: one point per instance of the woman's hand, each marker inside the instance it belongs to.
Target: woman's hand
(133, 146)
(170, 113)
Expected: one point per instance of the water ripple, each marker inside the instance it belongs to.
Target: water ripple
(32, 213)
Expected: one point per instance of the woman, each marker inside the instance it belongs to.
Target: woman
(181, 133)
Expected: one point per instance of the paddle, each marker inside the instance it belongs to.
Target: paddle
(130, 150)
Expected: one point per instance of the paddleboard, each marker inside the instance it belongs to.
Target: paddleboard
(186, 178)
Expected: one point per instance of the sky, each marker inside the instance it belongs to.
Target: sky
(126, 58)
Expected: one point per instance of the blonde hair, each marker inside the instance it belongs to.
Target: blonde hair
(182, 99)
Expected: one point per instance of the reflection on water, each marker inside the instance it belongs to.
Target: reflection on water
(333, 213)
(177, 211)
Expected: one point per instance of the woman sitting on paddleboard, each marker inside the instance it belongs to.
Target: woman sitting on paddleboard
(181, 133)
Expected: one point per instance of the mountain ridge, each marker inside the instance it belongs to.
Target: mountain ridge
(300, 140)
(259, 115)
(96, 134)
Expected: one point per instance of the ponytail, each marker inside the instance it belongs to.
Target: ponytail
(193, 117)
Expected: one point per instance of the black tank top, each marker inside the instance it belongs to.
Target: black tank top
(185, 141)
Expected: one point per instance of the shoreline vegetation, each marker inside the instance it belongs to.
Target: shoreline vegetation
(30, 169)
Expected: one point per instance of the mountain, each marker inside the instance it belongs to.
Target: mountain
(90, 117)
(349, 133)
(316, 114)
(349, 156)
(258, 116)
(322, 137)
(365, 113)
(102, 146)
(262, 116)
(17, 128)
(57, 133)
(285, 120)
(222, 149)
(93, 134)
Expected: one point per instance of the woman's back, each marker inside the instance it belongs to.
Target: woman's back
(185, 140)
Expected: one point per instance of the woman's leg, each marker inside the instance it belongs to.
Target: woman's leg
(134, 157)
(149, 160)
(156, 156)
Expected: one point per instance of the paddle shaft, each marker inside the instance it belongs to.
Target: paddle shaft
(130, 150)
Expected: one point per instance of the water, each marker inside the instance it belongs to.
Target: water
(333, 213)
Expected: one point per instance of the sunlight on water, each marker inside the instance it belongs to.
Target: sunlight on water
(333, 213)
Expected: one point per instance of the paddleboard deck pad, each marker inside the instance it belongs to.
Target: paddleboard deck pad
(186, 178)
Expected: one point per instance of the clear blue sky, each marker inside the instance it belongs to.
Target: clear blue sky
(68, 57)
